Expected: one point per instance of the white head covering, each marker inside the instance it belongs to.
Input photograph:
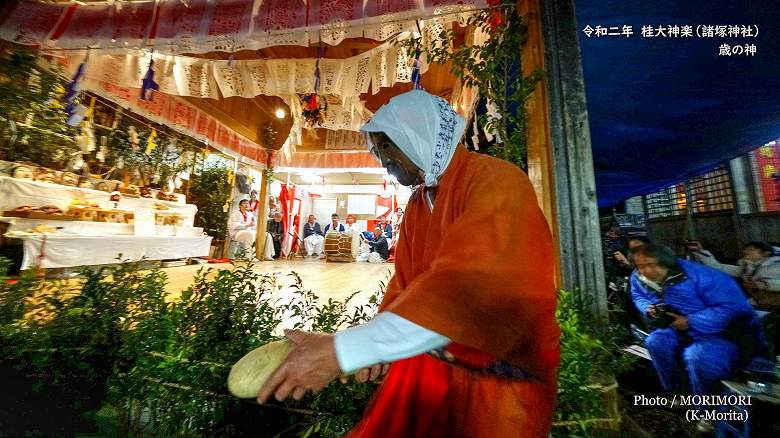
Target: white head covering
(424, 127)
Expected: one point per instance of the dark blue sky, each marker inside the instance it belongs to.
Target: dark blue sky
(662, 109)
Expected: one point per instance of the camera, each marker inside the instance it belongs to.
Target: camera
(662, 317)
(692, 245)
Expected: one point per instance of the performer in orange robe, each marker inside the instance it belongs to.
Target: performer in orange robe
(474, 263)
(479, 270)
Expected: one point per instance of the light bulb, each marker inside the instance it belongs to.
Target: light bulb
(280, 113)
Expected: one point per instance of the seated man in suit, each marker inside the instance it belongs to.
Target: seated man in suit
(276, 230)
(379, 251)
(313, 237)
(387, 229)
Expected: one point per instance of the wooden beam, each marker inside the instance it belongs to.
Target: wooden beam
(576, 208)
(224, 117)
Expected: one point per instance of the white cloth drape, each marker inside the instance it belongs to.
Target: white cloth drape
(68, 250)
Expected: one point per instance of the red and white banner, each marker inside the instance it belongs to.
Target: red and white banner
(199, 26)
(181, 116)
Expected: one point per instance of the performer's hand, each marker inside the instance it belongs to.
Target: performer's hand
(758, 283)
(680, 322)
(310, 366)
(370, 373)
(651, 311)
(621, 258)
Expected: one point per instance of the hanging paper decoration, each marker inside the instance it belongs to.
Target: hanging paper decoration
(117, 118)
(86, 140)
(102, 154)
(78, 162)
(314, 107)
(132, 134)
(34, 81)
(416, 75)
(475, 137)
(150, 144)
(492, 112)
(75, 112)
(148, 84)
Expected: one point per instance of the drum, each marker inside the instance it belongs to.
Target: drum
(341, 247)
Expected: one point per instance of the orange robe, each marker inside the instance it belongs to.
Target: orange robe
(479, 270)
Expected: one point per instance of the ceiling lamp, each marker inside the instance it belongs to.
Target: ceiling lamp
(280, 113)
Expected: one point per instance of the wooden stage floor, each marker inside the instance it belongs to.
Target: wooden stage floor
(325, 279)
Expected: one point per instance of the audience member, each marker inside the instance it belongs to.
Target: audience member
(379, 249)
(387, 229)
(612, 243)
(241, 228)
(253, 202)
(276, 230)
(704, 323)
(313, 237)
(352, 225)
(334, 224)
(632, 242)
(759, 269)
(759, 272)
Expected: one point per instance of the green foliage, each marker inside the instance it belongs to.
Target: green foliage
(215, 323)
(488, 66)
(31, 91)
(81, 329)
(210, 191)
(165, 364)
(589, 354)
(13, 300)
(165, 161)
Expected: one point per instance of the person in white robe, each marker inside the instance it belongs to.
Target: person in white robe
(242, 228)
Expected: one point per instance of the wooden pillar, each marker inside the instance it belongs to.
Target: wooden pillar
(262, 217)
(540, 169)
(563, 162)
(226, 246)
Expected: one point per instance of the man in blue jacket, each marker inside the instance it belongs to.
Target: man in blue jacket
(705, 324)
